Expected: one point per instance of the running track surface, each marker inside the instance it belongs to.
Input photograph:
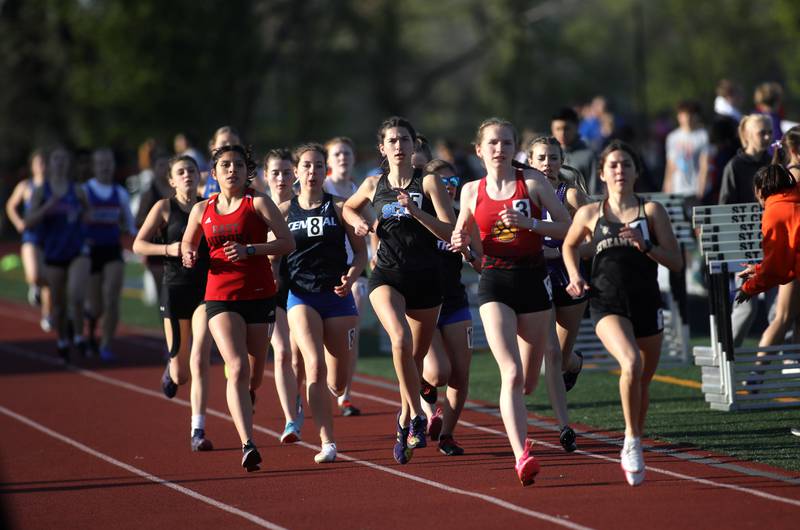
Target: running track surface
(97, 446)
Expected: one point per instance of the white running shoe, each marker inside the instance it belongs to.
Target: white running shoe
(634, 479)
(631, 457)
(327, 455)
(46, 325)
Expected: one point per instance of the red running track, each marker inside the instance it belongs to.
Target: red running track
(97, 446)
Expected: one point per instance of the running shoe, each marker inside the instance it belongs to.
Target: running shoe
(416, 435)
(348, 409)
(402, 452)
(46, 325)
(795, 431)
(291, 433)
(428, 392)
(106, 355)
(631, 457)
(435, 424)
(168, 386)
(570, 378)
(200, 442)
(527, 467)
(634, 479)
(567, 439)
(327, 455)
(449, 447)
(63, 351)
(251, 458)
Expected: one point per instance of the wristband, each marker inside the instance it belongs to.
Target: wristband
(648, 246)
(166, 250)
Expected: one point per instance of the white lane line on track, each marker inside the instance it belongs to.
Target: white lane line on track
(20, 352)
(673, 474)
(144, 474)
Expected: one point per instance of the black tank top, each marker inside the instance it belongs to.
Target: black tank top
(319, 259)
(174, 271)
(619, 270)
(453, 291)
(405, 244)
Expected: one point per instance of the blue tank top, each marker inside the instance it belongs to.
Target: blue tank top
(62, 230)
(103, 228)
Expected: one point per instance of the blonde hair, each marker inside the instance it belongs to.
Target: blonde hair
(763, 118)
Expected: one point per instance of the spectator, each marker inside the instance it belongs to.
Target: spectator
(724, 142)
(184, 145)
(564, 126)
(728, 100)
(687, 153)
(768, 99)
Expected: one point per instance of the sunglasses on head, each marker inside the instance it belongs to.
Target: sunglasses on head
(451, 181)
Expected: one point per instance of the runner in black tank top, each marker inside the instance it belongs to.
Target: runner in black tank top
(631, 238)
(405, 282)
(182, 293)
(448, 359)
(546, 155)
(279, 174)
(321, 310)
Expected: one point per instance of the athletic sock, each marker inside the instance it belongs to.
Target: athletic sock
(198, 422)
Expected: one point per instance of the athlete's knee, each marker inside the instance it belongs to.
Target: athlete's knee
(631, 365)
(316, 372)
(238, 371)
(512, 376)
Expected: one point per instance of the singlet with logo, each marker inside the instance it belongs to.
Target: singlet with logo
(174, 271)
(405, 244)
(62, 231)
(453, 291)
(250, 278)
(103, 227)
(619, 270)
(507, 247)
(319, 259)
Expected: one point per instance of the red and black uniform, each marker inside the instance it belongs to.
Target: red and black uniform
(245, 286)
(513, 267)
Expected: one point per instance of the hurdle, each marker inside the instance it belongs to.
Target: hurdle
(736, 378)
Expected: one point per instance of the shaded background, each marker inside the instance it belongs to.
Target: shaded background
(114, 72)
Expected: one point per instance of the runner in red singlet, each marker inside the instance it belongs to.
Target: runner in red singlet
(514, 289)
(240, 293)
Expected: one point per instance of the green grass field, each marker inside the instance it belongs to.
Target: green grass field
(677, 414)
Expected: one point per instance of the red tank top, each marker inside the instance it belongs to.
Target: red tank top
(503, 246)
(246, 279)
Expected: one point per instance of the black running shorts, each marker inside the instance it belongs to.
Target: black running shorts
(180, 301)
(261, 311)
(101, 255)
(421, 289)
(643, 311)
(525, 290)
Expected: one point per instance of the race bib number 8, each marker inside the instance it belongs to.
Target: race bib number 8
(523, 206)
(314, 226)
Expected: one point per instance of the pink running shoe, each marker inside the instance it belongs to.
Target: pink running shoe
(527, 466)
(435, 424)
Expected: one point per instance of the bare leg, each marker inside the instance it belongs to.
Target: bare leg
(111, 291)
(285, 374)
(200, 360)
(458, 344)
(568, 322)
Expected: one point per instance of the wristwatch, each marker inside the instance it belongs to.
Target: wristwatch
(251, 250)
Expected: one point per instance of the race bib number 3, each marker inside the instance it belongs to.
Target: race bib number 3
(523, 206)
(314, 226)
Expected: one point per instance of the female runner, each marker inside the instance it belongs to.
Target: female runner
(630, 237)
(30, 250)
(413, 211)
(58, 210)
(514, 289)
(450, 354)
(321, 309)
(110, 209)
(225, 135)
(546, 155)
(279, 173)
(185, 325)
(340, 182)
(240, 291)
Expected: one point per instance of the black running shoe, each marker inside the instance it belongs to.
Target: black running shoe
(168, 386)
(251, 458)
(567, 439)
(571, 377)
(428, 392)
(200, 442)
(348, 409)
(448, 446)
